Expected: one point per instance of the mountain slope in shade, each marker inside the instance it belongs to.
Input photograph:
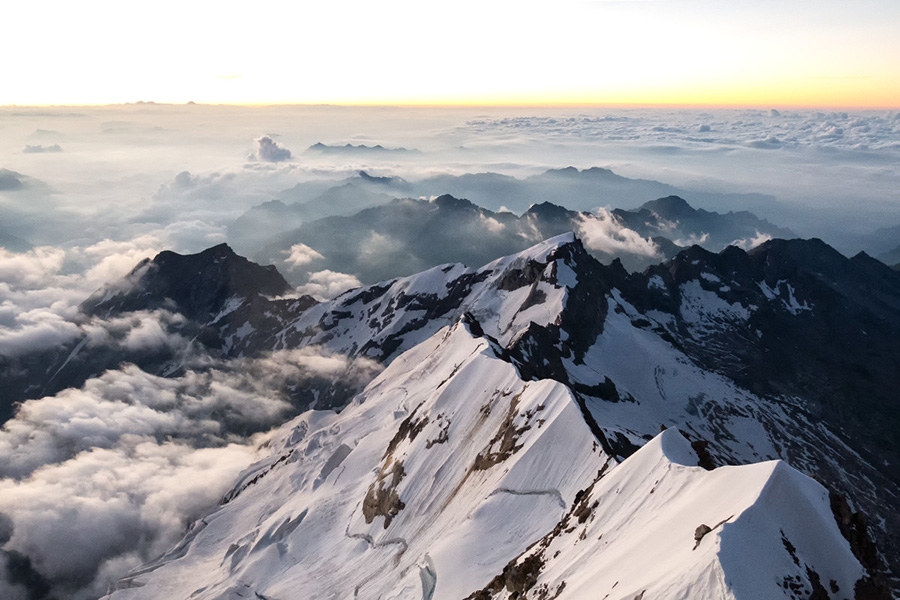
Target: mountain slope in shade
(14, 243)
(578, 191)
(404, 236)
(196, 285)
(449, 466)
(881, 241)
(407, 235)
(674, 218)
(205, 299)
(223, 295)
(792, 317)
(891, 257)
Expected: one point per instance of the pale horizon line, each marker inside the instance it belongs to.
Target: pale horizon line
(467, 105)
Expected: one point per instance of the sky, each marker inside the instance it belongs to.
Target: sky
(496, 52)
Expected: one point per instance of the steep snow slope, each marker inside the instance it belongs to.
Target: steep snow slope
(448, 467)
(382, 320)
(444, 469)
(658, 527)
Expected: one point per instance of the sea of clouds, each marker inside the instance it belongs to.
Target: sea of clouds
(99, 479)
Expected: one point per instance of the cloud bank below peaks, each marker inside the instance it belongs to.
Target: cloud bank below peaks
(97, 480)
(40, 289)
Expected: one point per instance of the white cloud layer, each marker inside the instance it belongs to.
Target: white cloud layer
(187, 164)
(603, 232)
(40, 290)
(97, 480)
(85, 521)
(327, 284)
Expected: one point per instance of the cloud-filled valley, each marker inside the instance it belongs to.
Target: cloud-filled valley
(117, 468)
(102, 473)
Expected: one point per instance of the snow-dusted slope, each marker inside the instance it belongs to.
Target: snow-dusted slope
(382, 320)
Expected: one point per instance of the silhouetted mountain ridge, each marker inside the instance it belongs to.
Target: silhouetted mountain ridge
(408, 235)
(674, 218)
(196, 285)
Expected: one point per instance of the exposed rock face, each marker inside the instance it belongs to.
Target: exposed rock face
(359, 503)
(409, 235)
(213, 298)
(794, 318)
(195, 285)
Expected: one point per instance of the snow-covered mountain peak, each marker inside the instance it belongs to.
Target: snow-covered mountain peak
(451, 477)
(540, 252)
(446, 467)
(505, 296)
(654, 527)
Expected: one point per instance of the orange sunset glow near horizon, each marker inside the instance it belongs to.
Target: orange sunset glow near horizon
(571, 52)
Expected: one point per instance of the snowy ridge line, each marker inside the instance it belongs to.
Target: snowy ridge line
(451, 538)
(637, 531)
(552, 493)
(368, 322)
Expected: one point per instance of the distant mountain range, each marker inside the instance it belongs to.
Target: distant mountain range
(891, 257)
(404, 236)
(513, 441)
(360, 149)
(577, 190)
(672, 217)
(10, 180)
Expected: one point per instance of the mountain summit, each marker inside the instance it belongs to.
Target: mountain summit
(196, 285)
